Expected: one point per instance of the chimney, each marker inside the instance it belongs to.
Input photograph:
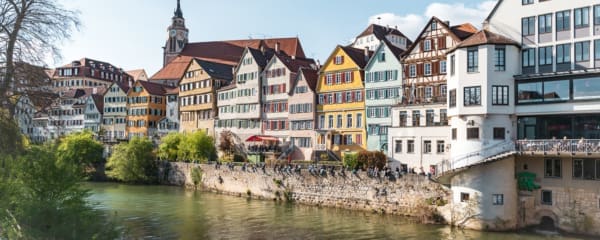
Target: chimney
(367, 53)
(277, 47)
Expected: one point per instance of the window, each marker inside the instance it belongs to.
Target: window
(472, 60)
(330, 121)
(546, 197)
(382, 57)
(528, 26)
(452, 98)
(338, 60)
(588, 169)
(472, 133)
(329, 79)
(499, 133)
(403, 117)
(443, 67)
(416, 118)
(563, 21)
(433, 25)
(337, 139)
(472, 96)
(452, 64)
(359, 120)
(500, 59)
(443, 117)
(596, 16)
(464, 197)
(582, 17)
(428, 92)
(440, 146)
(410, 146)
(412, 70)
(427, 146)
(545, 55)
(443, 90)
(582, 51)
(427, 69)
(525, 2)
(498, 199)
(499, 95)
(338, 78)
(429, 117)
(454, 133)
(427, 45)
(597, 49)
(339, 121)
(398, 146)
(563, 53)
(349, 121)
(552, 168)
(545, 23)
(528, 57)
(348, 139)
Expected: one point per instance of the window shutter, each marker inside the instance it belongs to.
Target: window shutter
(343, 77)
(421, 46)
(395, 74)
(343, 97)
(287, 125)
(434, 68)
(441, 42)
(406, 71)
(342, 59)
(420, 69)
(353, 97)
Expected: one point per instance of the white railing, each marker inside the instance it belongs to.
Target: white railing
(320, 147)
(479, 156)
(586, 146)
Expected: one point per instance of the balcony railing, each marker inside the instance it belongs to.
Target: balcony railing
(585, 146)
(320, 147)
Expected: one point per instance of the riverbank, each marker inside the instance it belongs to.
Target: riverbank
(410, 195)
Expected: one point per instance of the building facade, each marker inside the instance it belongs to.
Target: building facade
(170, 123)
(198, 95)
(341, 104)
(302, 101)
(87, 73)
(93, 113)
(375, 34)
(383, 89)
(420, 131)
(146, 106)
(115, 112)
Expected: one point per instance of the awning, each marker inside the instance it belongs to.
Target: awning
(259, 138)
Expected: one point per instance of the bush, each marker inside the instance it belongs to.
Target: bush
(196, 176)
(351, 160)
(169, 146)
(133, 162)
(195, 147)
(372, 159)
(239, 158)
(80, 150)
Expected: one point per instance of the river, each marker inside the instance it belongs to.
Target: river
(163, 212)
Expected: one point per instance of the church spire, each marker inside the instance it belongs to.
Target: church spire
(178, 12)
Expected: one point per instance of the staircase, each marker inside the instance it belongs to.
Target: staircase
(287, 152)
(488, 154)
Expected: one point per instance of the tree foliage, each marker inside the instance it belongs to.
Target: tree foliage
(226, 143)
(133, 162)
(351, 160)
(30, 31)
(80, 149)
(195, 147)
(43, 199)
(376, 159)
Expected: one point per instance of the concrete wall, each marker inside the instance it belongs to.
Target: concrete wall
(405, 196)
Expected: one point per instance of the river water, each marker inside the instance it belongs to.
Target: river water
(163, 212)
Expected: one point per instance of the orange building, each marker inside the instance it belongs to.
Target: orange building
(146, 105)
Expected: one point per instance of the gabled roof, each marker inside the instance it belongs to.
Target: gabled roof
(83, 92)
(138, 74)
(294, 64)
(311, 76)
(154, 88)
(174, 70)
(398, 53)
(485, 37)
(216, 70)
(99, 102)
(458, 32)
(123, 86)
(357, 55)
(226, 52)
(231, 85)
(381, 32)
(261, 58)
(487, 19)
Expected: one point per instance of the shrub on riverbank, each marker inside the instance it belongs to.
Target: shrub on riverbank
(80, 150)
(133, 162)
(194, 147)
(372, 159)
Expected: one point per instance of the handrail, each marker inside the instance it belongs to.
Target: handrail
(482, 154)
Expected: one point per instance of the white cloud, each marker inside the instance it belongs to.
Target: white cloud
(456, 13)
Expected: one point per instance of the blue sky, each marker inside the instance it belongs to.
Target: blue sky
(131, 33)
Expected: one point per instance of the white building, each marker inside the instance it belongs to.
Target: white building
(374, 34)
(115, 112)
(170, 123)
(93, 113)
(67, 113)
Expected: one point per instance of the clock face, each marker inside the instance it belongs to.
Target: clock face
(173, 33)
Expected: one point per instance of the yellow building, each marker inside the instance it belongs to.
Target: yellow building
(146, 105)
(197, 94)
(341, 103)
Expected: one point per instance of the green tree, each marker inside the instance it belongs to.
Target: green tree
(43, 199)
(80, 150)
(169, 146)
(133, 162)
(197, 147)
(351, 160)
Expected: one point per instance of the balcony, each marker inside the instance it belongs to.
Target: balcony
(557, 147)
(421, 101)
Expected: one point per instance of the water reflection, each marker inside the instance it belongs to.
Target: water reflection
(160, 212)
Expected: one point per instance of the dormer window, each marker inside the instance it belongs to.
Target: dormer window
(382, 57)
(433, 25)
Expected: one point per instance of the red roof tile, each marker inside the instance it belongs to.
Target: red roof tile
(174, 69)
(485, 37)
(155, 88)
(463, 31)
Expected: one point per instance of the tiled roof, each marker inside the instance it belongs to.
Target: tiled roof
(226, 52)
(311, 76)
(138, 74)
(295, 64)
(174, 69)
(463, 31)
(122, 85)
(228, 87)
(154, 88)
(485, 37)
(395, 50)
(381, 32)
(216, 70)
(83, 92)
(357, 55)
(99, 101)
(261, 58)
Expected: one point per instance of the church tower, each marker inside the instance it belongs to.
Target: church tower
(177, 36)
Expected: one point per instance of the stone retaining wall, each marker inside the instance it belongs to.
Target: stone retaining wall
(410, 195)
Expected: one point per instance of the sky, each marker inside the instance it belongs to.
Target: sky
(131, 33)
